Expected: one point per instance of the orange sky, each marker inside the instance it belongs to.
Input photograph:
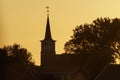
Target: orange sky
(24, 21)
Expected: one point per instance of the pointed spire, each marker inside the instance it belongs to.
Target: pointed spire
(48, 31)
(48, 10)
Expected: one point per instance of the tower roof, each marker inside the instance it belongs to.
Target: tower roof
(48, 35)
(48, 31)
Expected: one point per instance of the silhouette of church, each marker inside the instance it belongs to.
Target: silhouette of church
(59, 66)
(70, 66)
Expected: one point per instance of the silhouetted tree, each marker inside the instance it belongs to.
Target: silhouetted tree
(100, 41)
(3, 63)
(15, 63)
(101, 38)
(18, 53)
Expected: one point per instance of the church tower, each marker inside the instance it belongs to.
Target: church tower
(47, 44)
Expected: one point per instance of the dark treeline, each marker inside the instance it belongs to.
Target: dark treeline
(98, 42)
(16, 63)
(100, 38)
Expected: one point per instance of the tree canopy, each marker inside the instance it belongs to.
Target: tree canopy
(100, 38)
(15, 63)
(17, 53)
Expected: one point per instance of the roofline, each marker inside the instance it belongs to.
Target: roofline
(101, 72)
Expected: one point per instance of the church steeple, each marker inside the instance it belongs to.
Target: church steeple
(48, 35)
(48, 44)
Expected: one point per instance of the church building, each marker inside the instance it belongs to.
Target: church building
(71, 66)
(59, 66)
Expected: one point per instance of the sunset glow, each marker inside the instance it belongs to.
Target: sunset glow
(24, 21)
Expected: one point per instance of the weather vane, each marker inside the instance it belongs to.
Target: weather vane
(48, 10)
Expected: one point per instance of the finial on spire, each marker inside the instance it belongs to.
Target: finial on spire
(48, 10)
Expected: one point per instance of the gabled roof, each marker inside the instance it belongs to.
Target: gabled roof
(110, 72)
